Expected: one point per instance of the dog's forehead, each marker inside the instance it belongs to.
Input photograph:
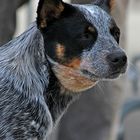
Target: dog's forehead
(96, 16)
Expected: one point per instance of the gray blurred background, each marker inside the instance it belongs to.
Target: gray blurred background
(96, 115)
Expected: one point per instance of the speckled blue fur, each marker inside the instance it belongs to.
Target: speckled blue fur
(31, 98)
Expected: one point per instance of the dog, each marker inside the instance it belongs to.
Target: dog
(67, 50)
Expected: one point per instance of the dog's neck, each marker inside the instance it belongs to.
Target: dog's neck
(57, 97)
(59, 93)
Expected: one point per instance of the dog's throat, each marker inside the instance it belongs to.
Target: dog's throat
(72, 79)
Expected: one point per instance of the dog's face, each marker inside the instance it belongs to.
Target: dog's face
(81, 42)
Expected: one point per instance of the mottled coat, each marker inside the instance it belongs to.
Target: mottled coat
(36, 84)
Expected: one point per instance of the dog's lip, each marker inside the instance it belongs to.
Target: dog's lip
(113, 75)
(117, 72)
(90, 75)
(93, 76)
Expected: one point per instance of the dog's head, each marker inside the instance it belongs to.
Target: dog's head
(81, 42)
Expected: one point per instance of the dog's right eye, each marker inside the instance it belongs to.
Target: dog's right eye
(88, 36)
(90, 33)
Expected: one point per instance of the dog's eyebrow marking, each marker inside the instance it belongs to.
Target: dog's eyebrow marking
(60, 50)
(74, 63)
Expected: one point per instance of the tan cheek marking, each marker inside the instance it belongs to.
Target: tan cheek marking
(75, 63)
(60, 50)
(72, 80)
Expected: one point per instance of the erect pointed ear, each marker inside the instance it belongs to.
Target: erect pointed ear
(107, 5)
(47, 11)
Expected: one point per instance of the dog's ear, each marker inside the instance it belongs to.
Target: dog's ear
(107, 5)
(47, 11)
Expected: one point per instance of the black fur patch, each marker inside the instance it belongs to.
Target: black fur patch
(70, 30)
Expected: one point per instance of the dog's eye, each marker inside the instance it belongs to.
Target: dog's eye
(115, 33)
(90, 33)
(87, 35)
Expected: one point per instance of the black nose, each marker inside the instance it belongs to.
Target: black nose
(117, 59)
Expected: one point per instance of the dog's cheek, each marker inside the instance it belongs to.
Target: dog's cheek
(71, 79)
(87, 62)
(61, 57)
(74, 63)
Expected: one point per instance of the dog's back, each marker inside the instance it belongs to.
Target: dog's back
(23, 75)
(30, 100)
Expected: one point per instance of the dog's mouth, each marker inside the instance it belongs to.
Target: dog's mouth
(111, 75)
(90, 75)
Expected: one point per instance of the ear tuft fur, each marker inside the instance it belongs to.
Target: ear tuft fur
(47, 11)
(107, 5)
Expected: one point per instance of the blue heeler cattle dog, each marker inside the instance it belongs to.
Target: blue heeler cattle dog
(67, 50)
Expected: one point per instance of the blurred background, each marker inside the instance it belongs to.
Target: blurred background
(109, 111)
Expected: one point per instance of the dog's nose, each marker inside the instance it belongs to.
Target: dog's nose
(117, 59)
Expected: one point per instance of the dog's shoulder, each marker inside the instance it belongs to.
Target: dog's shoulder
(23, 77)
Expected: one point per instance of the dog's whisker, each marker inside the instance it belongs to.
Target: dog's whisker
(101, 89)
